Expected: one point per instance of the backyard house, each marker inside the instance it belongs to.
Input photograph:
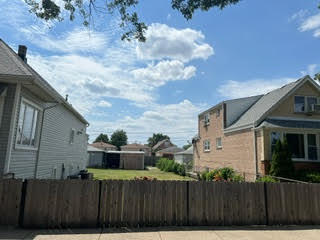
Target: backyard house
(162, 145)
(130, 160)
(137, 147)
(184, 157)
(41, 134)
(241, 133)
(168, 152)
(104, 146)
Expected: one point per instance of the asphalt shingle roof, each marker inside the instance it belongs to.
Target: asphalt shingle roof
(266, 102)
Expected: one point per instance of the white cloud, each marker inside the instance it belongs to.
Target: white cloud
(311, 70)
(104, 103)
(237, 89)
(300, 15)
(178, 120)
(78, 40)
(312, 23)
(164, 42)
(164, 71)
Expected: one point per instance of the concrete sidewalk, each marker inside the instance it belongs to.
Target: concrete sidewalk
(174, 233)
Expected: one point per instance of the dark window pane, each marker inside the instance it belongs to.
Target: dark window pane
(311, 101)
(296, 144)
(275, 136)
(298, 104)
(312, 147)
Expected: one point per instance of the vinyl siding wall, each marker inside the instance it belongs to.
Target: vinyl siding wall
(5, 123)
(56, 150)
(22, 162)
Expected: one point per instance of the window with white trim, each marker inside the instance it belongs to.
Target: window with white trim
(304, 103)
(206, 145)
(27, 125)
(296, 144)
(218, 143)
(207, 119)
(275, 136)
(72, 133)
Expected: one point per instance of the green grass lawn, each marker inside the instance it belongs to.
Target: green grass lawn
(102, 174)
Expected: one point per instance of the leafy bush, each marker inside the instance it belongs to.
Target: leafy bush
(308, 176)
(226, 174)
(267, 179)
(168, 165)
(281, 163)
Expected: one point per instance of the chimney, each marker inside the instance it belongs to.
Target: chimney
(22, 52)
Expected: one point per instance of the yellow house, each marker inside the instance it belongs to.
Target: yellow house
(241, 133)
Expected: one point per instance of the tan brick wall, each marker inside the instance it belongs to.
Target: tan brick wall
(286, 108)
(237, 148)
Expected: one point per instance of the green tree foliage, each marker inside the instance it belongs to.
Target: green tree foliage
(281, 163)
(119, 138)
(102, 138)
(185, 147)
(156, 137)
(317, 77)
(135, 29)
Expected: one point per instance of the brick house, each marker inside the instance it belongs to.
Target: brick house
(241, 133)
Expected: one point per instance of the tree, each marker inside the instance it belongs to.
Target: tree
(156, 137)
(317, 77)
(119, 138)
(281, 163)
(189, 144)
(102, 138)
(49, 10)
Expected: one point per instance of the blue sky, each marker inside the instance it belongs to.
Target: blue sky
(182, 69)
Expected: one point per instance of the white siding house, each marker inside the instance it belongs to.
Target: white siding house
(41, 134)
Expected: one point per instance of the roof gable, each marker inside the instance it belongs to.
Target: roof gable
(267, 103)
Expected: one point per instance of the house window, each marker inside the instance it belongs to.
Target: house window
(296, 144)
(218, 143)
(206, 146)
(312, 147)
(311, 101)
(299, 104)
(275, 136)
(304, 104)
(72, 133)
(218, 113)
(207, 119)
(27, 124)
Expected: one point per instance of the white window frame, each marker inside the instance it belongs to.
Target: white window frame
(2, 100)
(207, 119)
(72, 136)
(305, 102)
(37, 107)
(305, 137)
(218, 143)
(206, 145)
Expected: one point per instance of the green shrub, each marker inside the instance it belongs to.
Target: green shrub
(227, 173)
(222, 174)
(308, 176)
(168, 165)
(267, 179)
(237, 178)
(203, 175)
(281, 163)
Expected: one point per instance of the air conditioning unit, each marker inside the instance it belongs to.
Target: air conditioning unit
(315, 108)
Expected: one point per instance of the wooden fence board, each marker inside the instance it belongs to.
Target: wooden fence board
(10, 198)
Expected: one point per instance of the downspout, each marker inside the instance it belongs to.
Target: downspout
(40, 137)
(255, 157)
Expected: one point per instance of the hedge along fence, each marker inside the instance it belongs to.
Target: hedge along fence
(87, 203)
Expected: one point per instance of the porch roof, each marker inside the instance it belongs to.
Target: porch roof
(279, 123)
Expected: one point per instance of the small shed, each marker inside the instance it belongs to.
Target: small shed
(96, 157)
(131, 160)
(169, 152)
(184, 157)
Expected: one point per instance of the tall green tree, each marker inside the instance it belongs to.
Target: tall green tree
(317, 77)
(134, 28)
(119, 138)
(189, 144)
(156, 137)
(102, 138)
(281, 163)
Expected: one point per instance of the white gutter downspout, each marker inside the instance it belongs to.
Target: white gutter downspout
(255, 157)
(40, 136)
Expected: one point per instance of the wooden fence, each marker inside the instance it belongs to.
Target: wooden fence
(150, 160)
(87, 203)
